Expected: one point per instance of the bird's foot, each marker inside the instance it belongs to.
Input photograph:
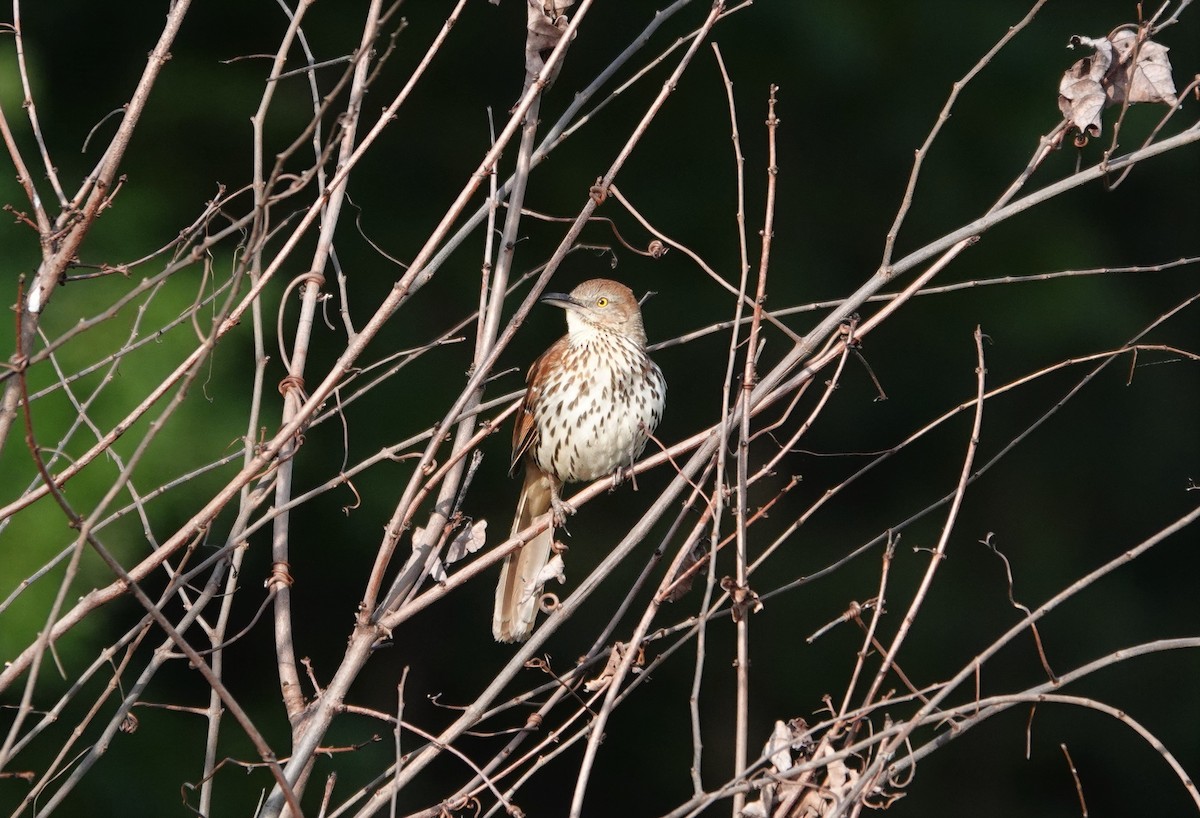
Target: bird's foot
(620, 475)
(559, 511)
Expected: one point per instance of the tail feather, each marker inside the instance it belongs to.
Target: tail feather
(519, 592)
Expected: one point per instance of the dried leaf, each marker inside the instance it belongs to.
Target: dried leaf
(779, 747)
(437, 571)
(544, 25)
(615, 656)
(754, 809)
(467, 541)
(1081, 94)
(836, 785)
(743, 598)
(780, 793)
(554, 569)
(1120, 71)
(1149, 80)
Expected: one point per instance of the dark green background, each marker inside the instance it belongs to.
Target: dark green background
(861, 84)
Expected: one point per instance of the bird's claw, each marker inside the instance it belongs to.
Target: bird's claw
(620, 475)
(559, 511)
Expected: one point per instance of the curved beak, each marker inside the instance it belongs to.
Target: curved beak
(563, 300)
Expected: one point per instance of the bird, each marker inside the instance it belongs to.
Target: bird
(591, 402)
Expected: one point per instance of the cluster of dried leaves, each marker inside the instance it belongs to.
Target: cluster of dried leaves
(1126, 67)
(819, 790)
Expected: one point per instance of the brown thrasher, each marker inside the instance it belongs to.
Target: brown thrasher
(591, 402)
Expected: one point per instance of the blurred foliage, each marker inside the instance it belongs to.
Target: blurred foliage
(861, 85)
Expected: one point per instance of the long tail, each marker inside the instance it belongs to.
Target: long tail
(519, 591)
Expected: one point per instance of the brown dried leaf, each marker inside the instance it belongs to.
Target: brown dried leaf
(1081, 94)
(1120, 71)
(544, 25)
(467, 541)
(779, 747)
(744, 599)
(615, 656)
(1149, 80)
(838, 783)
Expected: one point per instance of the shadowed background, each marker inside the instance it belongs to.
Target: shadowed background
(861, 84)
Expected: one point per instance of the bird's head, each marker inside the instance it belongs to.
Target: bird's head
(601, 305)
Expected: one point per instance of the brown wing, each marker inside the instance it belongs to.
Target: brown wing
(525, 432)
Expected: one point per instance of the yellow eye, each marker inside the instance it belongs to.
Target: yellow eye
(601, 302)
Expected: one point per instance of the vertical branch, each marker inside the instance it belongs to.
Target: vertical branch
(720, 480)
(31, 113)
(292, 386)
(215, 710)
(889, 552)
(749, 378)
(217, 634)
(741, 700)
(258, 124)
(557, 132)
(702, 652)
(486, 289)
(417, 274)
(472, 713)
(538, 23)
(399, 731)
